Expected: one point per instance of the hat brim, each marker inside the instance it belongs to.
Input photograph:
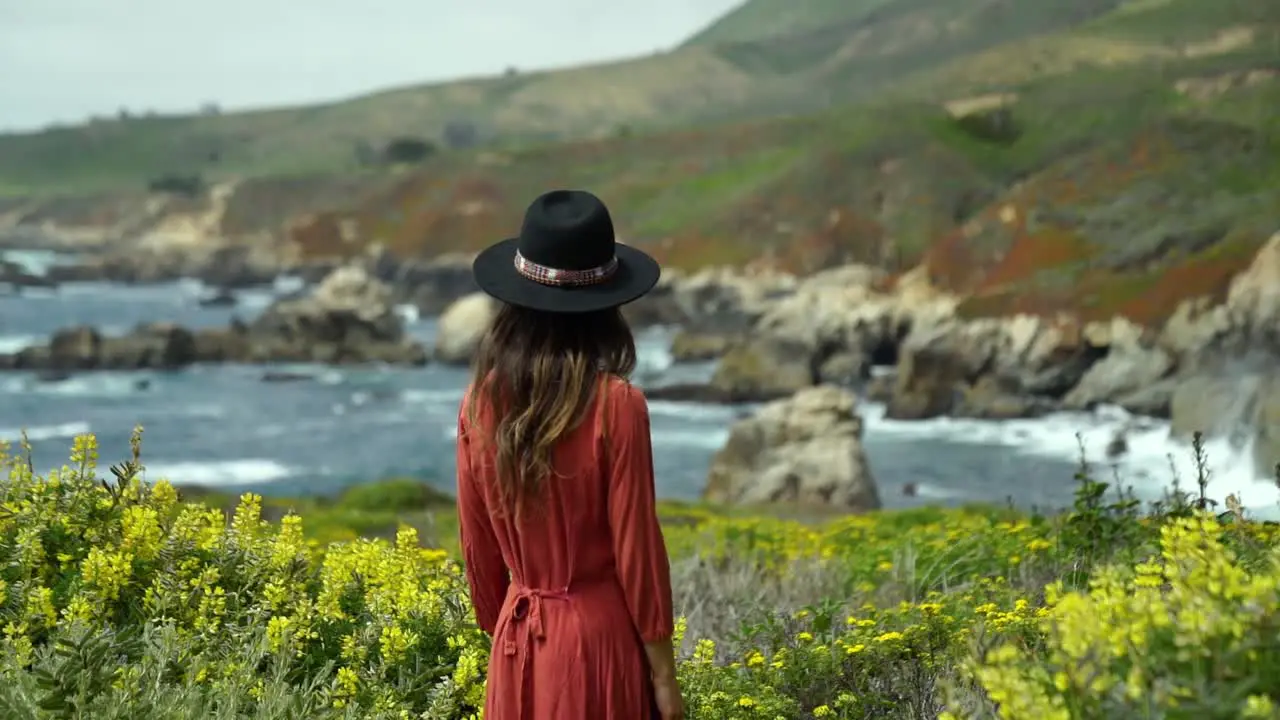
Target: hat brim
(495, 273)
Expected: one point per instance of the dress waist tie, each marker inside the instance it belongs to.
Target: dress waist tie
(526, 610)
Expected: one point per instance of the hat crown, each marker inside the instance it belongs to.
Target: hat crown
(567, 230)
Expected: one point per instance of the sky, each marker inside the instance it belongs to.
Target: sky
(62, 61)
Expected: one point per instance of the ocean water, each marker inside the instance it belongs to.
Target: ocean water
(222, 427)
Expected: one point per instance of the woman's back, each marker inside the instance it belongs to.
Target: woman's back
(572, 585)
(563, 551)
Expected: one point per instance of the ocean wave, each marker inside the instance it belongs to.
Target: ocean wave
(705, 439)
(1152, 460)
(45, 432)
(449, 397)
(14, 343)
(35, 262)
(696, 412)
(215, 473)
(97, 384)
(409, 313)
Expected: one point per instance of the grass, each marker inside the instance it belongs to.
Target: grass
(118, 600)
(764, 59)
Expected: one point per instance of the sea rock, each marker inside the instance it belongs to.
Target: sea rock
(14, 276)
(1244, 406)
(1032, 361)
(462, 327)
(1153, 400)
(346, 320)
(694, 346)
(706, 393)
(723, 300)
(763, 368)
(161, 346)
(996, 398)
(660, 307)
(805, 449)
(1131, 363)
(929, 380)
(430, 285)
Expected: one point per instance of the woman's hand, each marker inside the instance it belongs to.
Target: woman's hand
(666, 695)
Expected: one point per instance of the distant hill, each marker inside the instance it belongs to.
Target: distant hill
(767, 58)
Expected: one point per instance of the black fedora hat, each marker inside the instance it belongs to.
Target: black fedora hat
(566, 259)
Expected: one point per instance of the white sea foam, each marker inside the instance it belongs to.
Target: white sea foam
(408, 313)
(254, 300)
(45, 432)
(35, 262)
(14, 343)
(1148, 466)
(97, 384)
(218, 473)
(705, 439)
(287, 284)
(447, 397)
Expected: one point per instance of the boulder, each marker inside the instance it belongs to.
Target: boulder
(928, 382)
(1153, 400)
(462, 327)
(660, 307)
(840, 312)
(720, 299)
(158, 346)
(708, 394)
(1132, 363)
(1266, 447)
(695, 346)
(805, 449)
(1243, 406)
(77, 348)
(1028, 362)
(996, 398)
(430, 285)
(348, 318)
(763, 368)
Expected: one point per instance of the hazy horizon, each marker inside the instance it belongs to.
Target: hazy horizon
(68, 61)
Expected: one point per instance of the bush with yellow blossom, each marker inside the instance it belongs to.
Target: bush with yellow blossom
(118, 600)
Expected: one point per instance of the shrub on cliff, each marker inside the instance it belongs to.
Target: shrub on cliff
(407, 150)
(173, 184)
(119, 601)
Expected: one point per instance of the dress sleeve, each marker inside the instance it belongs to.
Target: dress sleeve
(639, 550)
(485, 569)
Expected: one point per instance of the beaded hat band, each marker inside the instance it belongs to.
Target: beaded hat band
(564, 278)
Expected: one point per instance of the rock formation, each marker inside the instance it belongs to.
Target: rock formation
(347, 319)
(805, 449)
(462, 326)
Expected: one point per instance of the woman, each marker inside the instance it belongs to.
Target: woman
(564, 555)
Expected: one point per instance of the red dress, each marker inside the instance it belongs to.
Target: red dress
(572, 590)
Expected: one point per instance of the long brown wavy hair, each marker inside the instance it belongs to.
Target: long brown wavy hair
(535, 375)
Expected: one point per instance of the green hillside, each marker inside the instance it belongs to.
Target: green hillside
(764, 59)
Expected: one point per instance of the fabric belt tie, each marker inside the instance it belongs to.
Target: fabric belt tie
(526, 609)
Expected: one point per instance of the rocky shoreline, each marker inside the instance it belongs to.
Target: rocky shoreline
(806, 346)
(348, 318)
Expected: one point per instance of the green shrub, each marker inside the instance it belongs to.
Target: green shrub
(201, 615)
(393, 495)
(117, 600)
